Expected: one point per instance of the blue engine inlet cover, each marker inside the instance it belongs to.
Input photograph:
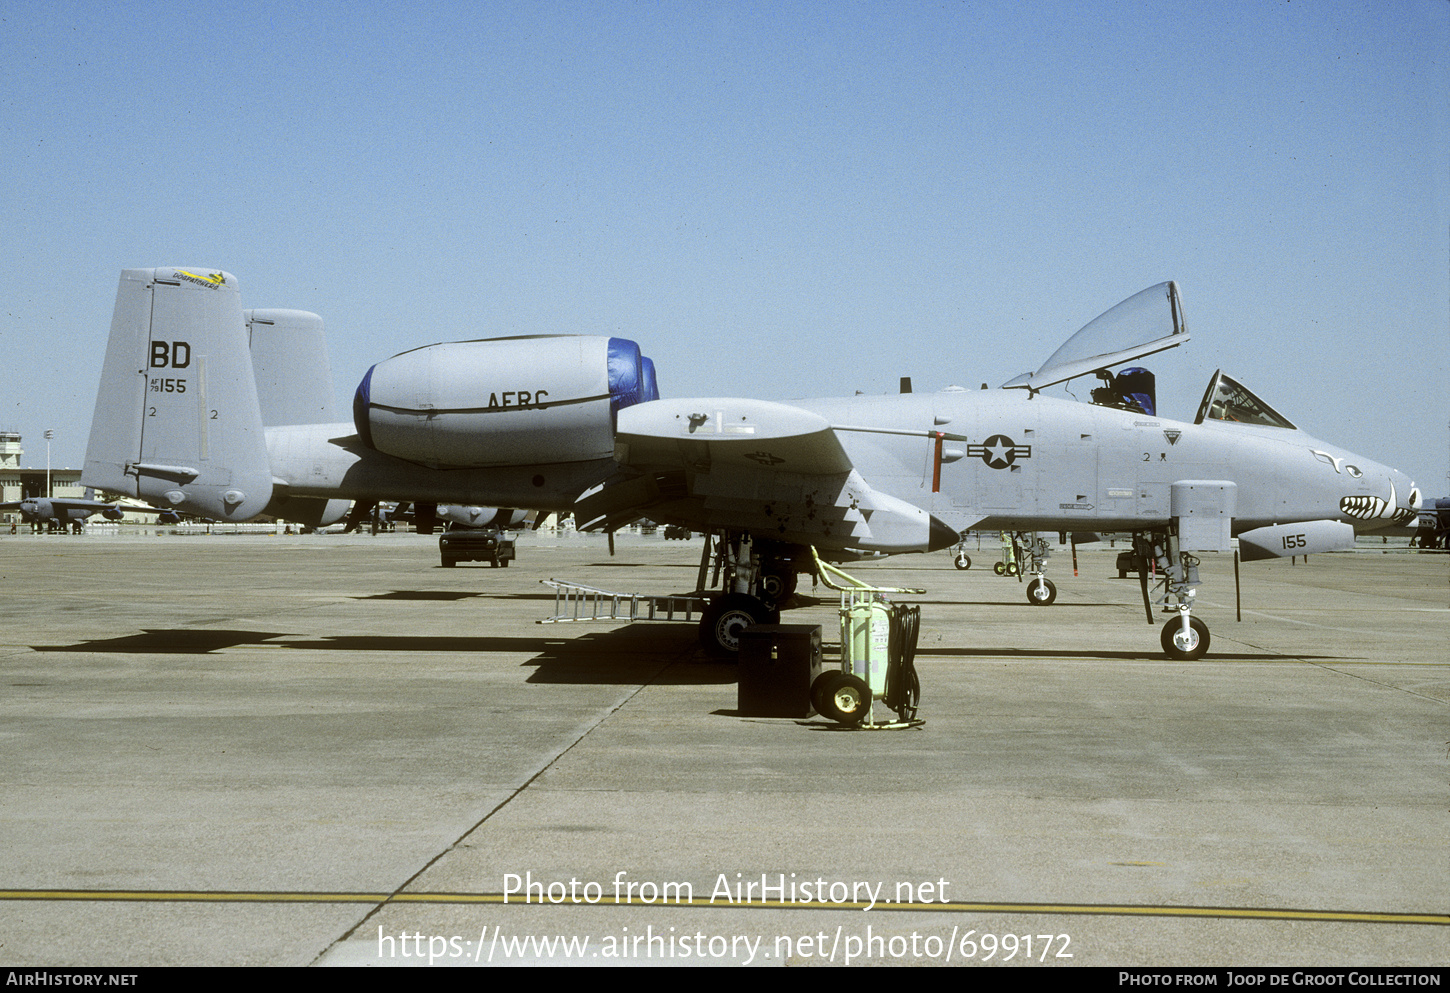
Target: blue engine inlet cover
(625, 377)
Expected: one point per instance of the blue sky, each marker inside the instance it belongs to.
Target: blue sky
(776, 200)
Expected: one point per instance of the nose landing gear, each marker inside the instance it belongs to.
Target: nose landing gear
(1031, 551)
(1184, 637)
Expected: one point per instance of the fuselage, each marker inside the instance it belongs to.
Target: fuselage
(1041, 463)
(66, 512)
(1027, 463)
(328, 461)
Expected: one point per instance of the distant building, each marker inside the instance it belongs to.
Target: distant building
(10, 452)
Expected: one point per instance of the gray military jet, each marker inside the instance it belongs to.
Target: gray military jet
(70, 512)
(575, 423)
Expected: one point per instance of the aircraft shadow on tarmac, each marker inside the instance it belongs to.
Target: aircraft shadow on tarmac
(1010, 605)
(442, 595)
(634, 653)
(638, 653)
(1049, 654)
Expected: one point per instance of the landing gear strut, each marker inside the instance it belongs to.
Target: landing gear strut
(1031, 551)
(754, 585)
(1184, 637)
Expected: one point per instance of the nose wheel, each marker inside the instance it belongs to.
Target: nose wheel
(1041, 592)
(1185, 642)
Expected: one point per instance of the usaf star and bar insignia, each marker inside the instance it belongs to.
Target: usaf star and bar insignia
(999, 451)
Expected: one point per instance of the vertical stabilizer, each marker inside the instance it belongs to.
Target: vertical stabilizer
(294, 376)
(177, 420)
(294, 386)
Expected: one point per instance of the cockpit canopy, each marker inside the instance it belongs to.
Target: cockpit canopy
(1229, 400)
(1145, 323)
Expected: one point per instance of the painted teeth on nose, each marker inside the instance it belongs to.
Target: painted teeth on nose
(1363, 508)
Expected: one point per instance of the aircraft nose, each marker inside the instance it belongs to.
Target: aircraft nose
(1412, 501)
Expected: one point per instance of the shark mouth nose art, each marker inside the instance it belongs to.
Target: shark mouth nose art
(1373, 508)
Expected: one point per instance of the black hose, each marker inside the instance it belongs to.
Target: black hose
(903, 686)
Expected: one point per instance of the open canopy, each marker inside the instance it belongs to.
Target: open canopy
(1147, 322)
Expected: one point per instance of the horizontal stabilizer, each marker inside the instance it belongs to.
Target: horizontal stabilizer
(624, 498)
(1307, 538)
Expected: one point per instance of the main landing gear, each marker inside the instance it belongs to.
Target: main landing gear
(727, 616)
(1184, 637)
(755, 578)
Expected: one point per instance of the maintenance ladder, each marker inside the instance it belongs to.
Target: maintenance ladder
(577, 602)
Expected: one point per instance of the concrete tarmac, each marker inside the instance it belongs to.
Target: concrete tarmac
(259, 749)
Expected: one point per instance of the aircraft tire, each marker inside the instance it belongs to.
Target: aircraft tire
(449, 563)
(1000, 568)
(1181, 648)
(962, 561)
(777, 585)
(1041, 592)
(846, 698)
(726, 617)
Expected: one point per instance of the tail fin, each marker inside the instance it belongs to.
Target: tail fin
(289, 355)
(177, 421)
(294, 386)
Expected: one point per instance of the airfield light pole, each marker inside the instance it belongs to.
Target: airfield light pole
(49, 434)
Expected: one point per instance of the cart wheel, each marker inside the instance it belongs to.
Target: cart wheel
(821, 688)
(848, 700)
(1000, 568)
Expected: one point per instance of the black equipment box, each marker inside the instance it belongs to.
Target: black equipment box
(778, 663)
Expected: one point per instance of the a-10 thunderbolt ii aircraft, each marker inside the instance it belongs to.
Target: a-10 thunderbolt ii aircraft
(574, 423)
(71, 512)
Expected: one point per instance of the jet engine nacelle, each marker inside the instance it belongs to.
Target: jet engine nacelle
(503, 401)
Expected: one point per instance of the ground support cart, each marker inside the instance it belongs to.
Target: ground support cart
(878, 654)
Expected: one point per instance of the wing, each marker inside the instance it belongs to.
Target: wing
(770, 469)
(91, 506)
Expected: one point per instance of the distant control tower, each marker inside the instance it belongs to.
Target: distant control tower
(10, 454)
